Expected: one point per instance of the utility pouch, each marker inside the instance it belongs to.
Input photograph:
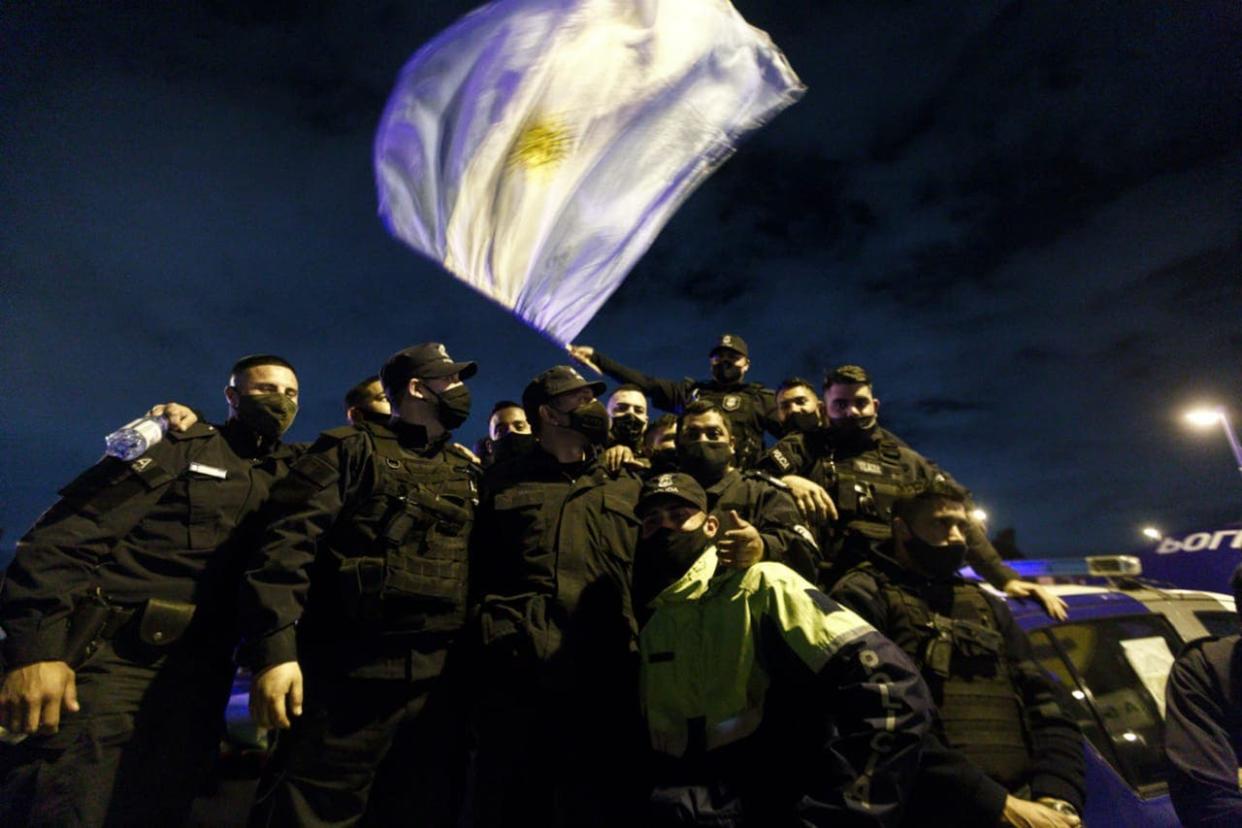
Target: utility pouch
(86, 625)
(977, 640)
(362, 582)
(939, 655)
(164, 622)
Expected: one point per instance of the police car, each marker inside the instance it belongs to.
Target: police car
(1114, 652)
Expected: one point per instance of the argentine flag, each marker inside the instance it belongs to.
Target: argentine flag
(536, 147)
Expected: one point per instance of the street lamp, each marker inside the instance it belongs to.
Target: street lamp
(1152, 532)
(1208, 417)
(979, 515)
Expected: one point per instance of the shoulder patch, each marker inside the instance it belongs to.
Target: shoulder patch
(463, 452)
(868, 467)
(806, 535)
(780, 458)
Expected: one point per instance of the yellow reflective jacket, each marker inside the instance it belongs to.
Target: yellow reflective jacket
(699, 650)
(836, 711)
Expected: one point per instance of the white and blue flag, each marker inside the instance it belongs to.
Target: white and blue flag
(536, 147)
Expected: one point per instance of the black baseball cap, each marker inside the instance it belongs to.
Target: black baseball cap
(558, 380)
(673, 484)
(732, 342)
(428, 360)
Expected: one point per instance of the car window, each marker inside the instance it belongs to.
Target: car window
(1219, 623)
(1113, 701)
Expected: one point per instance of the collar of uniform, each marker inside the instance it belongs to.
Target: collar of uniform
(726, 480)
(575, 471)
(693, 584)
(884, 558)
(245, 443)
(854, 444)
(727, 387)
(414, 437)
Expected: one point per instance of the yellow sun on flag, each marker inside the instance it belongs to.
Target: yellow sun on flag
(541, 144)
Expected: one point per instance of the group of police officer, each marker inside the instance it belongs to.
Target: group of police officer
(618, 621)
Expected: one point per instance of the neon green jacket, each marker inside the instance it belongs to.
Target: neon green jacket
(738, 662)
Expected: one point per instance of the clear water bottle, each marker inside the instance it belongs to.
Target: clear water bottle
(132, 440)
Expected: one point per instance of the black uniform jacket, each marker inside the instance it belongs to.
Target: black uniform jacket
(1203, 733)
(553, 554)
(335, 473)
(813, 455)
(948, 782)
(766, 503)
(750, 406)
(173, 524)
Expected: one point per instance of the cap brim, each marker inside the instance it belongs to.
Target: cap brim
(669, 495)
(597, 388)
(464, 370)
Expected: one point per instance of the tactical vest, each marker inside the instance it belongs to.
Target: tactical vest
(964, 662)
(401, 551)
(744, 406)
(865, 487)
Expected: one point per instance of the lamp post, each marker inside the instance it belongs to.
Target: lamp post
(1208, 417)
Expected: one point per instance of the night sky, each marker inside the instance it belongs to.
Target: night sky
(1024, 218)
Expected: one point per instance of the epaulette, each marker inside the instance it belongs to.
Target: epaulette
(756, 474)
(464, 453)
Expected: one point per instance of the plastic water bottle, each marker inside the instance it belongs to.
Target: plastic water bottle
(132, 440)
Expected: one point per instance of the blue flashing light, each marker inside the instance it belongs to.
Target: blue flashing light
(1094, 566)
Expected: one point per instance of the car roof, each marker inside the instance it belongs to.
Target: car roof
(1131, 597)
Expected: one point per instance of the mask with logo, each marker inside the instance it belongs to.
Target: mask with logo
(452, 406)
(627, 430)
(267, 415)
(938, 562)
(726, 373)
(801, 422)
(590, 420)
(704, 461)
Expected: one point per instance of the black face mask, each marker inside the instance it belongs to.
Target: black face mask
(937, 562)
(705, 462)
(627, 430)
(662, 558)
(726, 373)
(854, 429)
(590, 420)
(664, 461)
(801, 422)
(513, 444)
(452, 406)
(267, 415)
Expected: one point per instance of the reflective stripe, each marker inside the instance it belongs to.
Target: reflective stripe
(734, 729)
